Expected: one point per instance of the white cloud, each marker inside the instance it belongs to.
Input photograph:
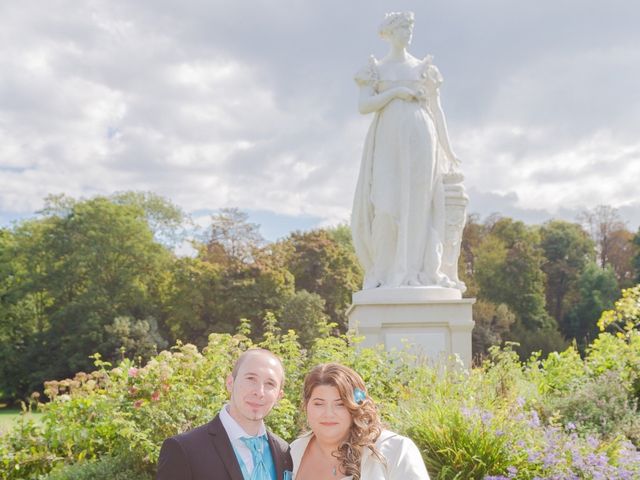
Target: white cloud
(252, 104)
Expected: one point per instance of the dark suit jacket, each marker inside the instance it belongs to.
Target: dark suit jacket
(205, 453)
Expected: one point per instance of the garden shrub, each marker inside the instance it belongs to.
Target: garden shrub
(504, 419)
(108, 467)
(600, 406)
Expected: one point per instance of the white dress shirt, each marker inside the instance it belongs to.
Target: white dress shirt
(234, 432)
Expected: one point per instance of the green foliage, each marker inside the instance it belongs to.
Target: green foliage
(598, 290)
(464, 444)
(70, 275)
(91, 276)
(235, 276)
(324, 262)
(233, 237)
(166, 220)
(636, 255)
(567, 249)
(504, 419)
(133, 338)
(625, 316)
(193, 307)
(108, 467)
(621, 351)
(130, 409)
(600, 405)
(492, 322)
(304, 313)
(508, 270)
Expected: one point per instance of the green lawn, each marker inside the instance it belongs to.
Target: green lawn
(9, 415)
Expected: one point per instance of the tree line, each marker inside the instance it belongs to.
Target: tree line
(101, 275)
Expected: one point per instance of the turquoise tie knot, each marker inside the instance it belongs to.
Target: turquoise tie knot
(259, 447)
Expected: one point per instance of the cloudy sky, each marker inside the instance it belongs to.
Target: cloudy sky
(252, 104)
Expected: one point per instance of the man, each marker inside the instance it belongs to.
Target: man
(235, 445)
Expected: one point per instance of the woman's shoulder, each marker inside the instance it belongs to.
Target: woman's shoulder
(402, 455)
(300, 444)
(368, 74)
(387, 437)
(392, 444)
(429, 71)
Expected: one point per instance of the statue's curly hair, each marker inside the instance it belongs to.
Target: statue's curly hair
(366, 426)
(393, 20)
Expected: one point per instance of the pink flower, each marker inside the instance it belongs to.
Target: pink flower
(155, 396)
(133, 372)
(137, 404)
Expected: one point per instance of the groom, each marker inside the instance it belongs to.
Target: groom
(235, 445)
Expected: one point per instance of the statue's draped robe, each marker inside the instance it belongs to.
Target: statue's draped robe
(398, 212)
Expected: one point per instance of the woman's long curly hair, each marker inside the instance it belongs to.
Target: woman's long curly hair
(365, 427)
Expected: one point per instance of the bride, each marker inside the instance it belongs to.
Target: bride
(398, 213)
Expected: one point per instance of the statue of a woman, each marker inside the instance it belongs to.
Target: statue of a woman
(398, 219)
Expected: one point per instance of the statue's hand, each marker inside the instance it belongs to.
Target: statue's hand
(455, 161)
(421, 95)
(404, 93)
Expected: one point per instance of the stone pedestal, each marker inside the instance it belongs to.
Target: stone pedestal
(436, 321)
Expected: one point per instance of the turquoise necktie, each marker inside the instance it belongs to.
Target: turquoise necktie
(259, 447)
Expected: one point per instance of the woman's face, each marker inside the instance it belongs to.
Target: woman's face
(327, 415)
(402, 34)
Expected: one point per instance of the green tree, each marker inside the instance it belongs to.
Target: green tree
(304, 313)
(621, 256)
(636, 257)
(194, 302)
(508, 270)
(567, 249)
(232, 238)
(472, 236)
(322, 262)
(601, 222)
(235, 276)
(598, 291)
(492, 323)
(23, 305)
(130, 338)
(167, 221)
(625, 316)
(76, 269)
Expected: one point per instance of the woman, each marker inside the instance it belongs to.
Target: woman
(398, 212)
(346, 439)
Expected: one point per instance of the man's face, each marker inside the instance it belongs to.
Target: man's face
(255, 390)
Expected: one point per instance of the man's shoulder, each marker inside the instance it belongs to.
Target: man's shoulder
(278, 441)
(198, 433)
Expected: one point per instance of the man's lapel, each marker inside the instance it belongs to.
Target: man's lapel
(222, 444)
(278, 457)
(276, 454)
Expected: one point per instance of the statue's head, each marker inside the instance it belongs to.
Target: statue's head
(393, 21)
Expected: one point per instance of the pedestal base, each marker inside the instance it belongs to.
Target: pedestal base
(434, 320)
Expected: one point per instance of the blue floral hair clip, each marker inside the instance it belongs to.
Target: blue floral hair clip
(358, 395)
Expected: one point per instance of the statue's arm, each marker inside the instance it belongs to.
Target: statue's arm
(434, 106)
(370, 101)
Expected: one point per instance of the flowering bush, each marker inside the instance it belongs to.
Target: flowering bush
(504, 419)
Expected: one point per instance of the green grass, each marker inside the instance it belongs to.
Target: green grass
(8, 416)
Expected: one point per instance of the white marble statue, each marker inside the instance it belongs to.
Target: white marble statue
(408, 171)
